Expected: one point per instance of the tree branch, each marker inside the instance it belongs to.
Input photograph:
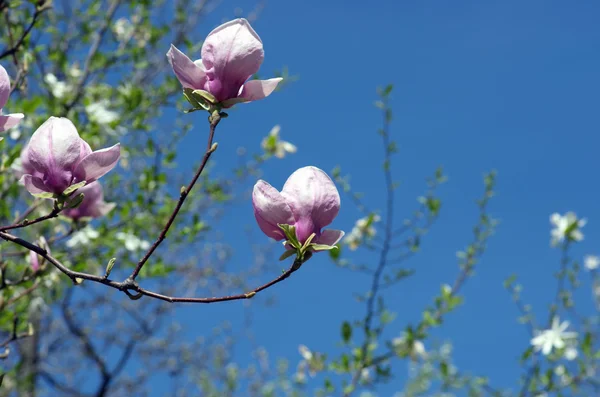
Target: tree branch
(214, 120)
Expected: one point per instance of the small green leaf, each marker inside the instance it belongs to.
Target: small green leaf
(346, 331)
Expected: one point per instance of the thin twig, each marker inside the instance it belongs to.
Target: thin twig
(129, 285)
(214, 120)
(14, 48)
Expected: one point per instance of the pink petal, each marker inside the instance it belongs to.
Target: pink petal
(329, 237)
(254, 90)
(231, 54)
(54, 146)
(312, 196)
(34, 185)
(98, 163)
(189, 74)
(10, 120)
(270, 209)
(4, 87)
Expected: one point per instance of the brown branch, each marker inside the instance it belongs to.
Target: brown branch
(20, 224)
(214, 120)
(110, 13)
(15, 47)
(132, 289)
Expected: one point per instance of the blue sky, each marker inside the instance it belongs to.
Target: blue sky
(505, 85)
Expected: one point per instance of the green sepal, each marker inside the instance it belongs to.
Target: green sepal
(74, 187)
(44, 195)
(77, 200)
(322, 247)
(287, 254)
(290, 234)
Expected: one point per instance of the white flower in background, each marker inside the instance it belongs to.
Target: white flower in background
(305, 352)
(273, 145)
(58, 88)
(123, 29)
(417, 350)
(552, 338)
(75, 72)
(363, 229)
(132, 242)
(566, 227)
(591, 262)
(99, 112)
(571, 353)
(365, 375)
(83, 237)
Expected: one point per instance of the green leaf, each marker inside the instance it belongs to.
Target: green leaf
(346, 332)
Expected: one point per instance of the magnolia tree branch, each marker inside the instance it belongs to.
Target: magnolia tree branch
(15, 46)
(132, 289)
(214, 120)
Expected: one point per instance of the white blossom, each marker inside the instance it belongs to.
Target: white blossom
(58, 88)
(305, 352)
(83, 237)
(99, 112)
(552, 338)
(131, 242)
(123, 29)
(591, 262)
(272, 144)
(365, 375)
(566, 226)
(363, 229)
(571, 353)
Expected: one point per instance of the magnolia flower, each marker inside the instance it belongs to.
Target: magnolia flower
(9, 120)
(36, 261)
(231, 54)
(591, 262)
(275, 146)
(93, 204)
(566, 227)
(56, 158)
(309, 201)
(552, 338)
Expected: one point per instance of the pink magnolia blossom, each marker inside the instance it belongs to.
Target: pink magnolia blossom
(36, 261)
(9, 120)
(93, 204)
(56, 158)
(309, 201)
(231, 54)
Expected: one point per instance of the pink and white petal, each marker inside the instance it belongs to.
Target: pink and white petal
(98, 163)
(233, 52)
(189, 74)
(329, 237)
(54, 146)
(34, 185)
(4, 87)
(270, 209)
(254, 90)
(10, 120)
(102, 208)
(312, 194)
